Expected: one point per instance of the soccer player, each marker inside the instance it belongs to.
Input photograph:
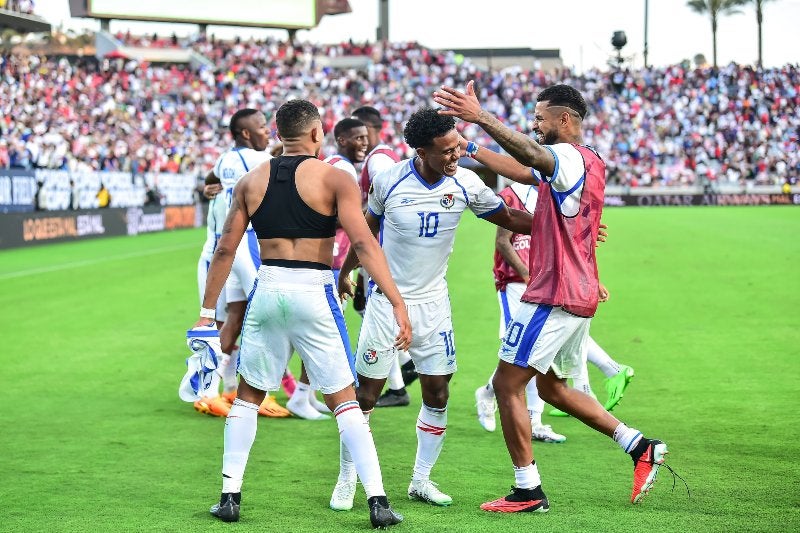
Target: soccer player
(251, 136)
(351, 141)
(381, 157)
(511, 277)
(293, 202)
(417, 205)
(550, 329)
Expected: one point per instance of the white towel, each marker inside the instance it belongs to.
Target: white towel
(206, 356)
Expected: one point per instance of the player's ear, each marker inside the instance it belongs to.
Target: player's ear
(421, 153)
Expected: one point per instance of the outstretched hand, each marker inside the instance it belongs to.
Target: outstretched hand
(457, 104)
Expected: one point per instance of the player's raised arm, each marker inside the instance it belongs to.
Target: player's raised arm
(501, 164)
(232, 232)
(465, 106)
(366, 247)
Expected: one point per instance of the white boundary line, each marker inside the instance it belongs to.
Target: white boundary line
(87, 262)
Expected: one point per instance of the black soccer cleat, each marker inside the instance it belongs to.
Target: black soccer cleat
(393, 398)
(381, 513)
(227, 509)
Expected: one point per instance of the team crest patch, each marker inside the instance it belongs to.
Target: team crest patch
(447, 201)
(370, 357)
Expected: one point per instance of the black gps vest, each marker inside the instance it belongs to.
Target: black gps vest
(282, 213)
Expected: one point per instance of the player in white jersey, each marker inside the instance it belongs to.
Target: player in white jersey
(381, 157)
(417, 205)
(251, 136)
(351, 141)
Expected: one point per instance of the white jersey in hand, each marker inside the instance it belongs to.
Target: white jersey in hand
(418, 223)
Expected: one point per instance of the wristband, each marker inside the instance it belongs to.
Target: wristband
(472, 149)
(208, 313)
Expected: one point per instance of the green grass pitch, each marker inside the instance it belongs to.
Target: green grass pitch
(704, 305)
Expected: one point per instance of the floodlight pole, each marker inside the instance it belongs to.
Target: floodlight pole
(383, 20)
(646, 9)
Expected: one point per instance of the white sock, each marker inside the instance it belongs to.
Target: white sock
(240, 432)
(396, 376)
(431, 428)
(626, 437)
(599, 358)
(356, 438)
(302, 391)
(489, 387)
(581, 382)
(535, 404)
(403, 357)
(527, 477)
(229, 381)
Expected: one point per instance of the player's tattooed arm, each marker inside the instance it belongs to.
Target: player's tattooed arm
(521, 147)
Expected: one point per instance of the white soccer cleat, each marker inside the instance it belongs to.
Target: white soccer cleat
(343, 494)
(427, 491)
(300, 407)
(545, 433)
(487, 405)
(318, 405)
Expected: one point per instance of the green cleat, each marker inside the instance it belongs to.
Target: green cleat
(557, 412)
(616, 385)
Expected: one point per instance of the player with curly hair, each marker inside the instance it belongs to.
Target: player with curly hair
(418, 204)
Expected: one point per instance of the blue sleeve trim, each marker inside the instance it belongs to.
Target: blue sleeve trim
(373, 213)
(492, 212)
(466, 198)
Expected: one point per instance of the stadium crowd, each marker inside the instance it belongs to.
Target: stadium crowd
(655, 127)
(21, 6)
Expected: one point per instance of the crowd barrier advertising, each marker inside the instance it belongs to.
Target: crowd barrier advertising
(27, 228)
(17, 190)
(688, 200)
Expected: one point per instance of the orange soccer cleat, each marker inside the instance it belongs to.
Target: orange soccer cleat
(271, 408)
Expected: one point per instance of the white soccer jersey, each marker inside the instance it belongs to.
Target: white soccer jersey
(234, 164)
(342, 163)
(418, 224)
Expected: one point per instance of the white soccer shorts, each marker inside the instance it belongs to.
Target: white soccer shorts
(432, 349)
(202, 275)
(509, 303)
(546, 337)
(295, 307)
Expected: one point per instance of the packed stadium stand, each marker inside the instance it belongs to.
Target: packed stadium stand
(656, 127)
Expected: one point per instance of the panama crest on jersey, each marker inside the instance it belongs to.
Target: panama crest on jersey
(370, 357)
(447, 201)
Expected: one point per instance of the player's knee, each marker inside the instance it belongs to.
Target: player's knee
(366, 398)
(550, 390)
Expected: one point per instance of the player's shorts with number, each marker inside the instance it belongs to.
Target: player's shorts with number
(545, 337)
(295, 307)
(432, 349)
